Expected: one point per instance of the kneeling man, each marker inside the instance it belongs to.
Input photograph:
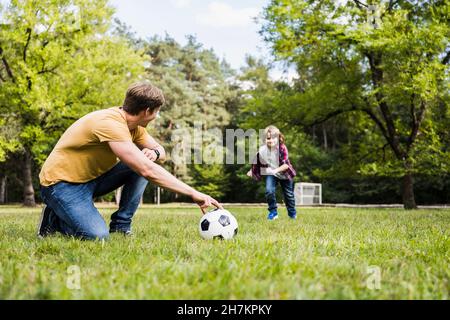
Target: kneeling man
(100, 152)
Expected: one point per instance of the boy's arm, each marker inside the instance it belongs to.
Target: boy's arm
(255, 162)
(284, 155)
(281, 168)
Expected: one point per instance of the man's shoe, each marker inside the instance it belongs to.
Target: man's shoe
(272, 216)
(124, 232)
(47, 221)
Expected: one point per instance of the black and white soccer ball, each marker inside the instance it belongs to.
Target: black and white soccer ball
(218, 224)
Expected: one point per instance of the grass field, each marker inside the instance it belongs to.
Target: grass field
(328, 253)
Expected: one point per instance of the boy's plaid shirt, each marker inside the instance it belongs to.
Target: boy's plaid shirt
(290, 173)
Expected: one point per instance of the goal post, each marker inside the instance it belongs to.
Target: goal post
(307, 193)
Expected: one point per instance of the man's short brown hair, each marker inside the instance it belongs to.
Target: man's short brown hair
(141, 96)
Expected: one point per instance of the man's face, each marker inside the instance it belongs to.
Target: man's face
(147, 116)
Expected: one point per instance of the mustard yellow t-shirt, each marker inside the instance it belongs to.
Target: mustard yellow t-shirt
(82, 153)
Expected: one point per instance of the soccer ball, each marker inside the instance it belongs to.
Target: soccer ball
(219, 224)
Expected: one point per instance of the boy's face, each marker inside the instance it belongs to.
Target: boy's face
(271, 140)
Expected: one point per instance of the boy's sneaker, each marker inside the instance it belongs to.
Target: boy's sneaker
(272, 215)
(47, 221)
(292, 216)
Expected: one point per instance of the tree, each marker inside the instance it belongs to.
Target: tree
(58, 62)
(386, 60)
(194, 82)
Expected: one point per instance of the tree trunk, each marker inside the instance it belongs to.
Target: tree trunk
(333, 136)
(28, 190)
(3, 189)
(409, 201)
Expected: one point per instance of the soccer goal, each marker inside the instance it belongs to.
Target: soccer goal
(308, 193)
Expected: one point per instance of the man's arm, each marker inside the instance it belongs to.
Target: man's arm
(130, 154)
(149, 145)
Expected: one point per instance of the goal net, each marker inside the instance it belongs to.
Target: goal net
(308, 193)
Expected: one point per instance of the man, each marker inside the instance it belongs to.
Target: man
(100, 152)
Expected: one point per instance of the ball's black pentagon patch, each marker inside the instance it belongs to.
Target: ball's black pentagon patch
(220, 237)
(235, 231)
(224, 220)
(205, 225)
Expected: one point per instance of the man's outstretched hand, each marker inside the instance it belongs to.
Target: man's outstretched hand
(204, 201)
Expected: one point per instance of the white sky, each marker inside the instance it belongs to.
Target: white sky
(227, 26)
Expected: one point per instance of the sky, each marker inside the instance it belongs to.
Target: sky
(226, 26)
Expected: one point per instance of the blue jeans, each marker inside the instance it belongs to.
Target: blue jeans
(288, 192)
(74, 206)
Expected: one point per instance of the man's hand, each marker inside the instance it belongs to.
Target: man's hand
(204, 201)
(150, 154)
(151, 144)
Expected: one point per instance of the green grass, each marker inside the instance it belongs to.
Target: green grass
(325, 254)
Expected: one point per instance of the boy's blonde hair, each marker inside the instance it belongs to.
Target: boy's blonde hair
(274, 131)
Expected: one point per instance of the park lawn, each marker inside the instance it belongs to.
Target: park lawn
(327, 253)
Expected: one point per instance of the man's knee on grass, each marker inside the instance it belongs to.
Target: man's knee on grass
(94, 234)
